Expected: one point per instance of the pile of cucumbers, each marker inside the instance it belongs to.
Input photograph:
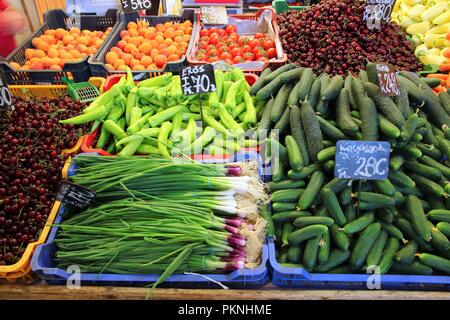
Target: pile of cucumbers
(402, 225)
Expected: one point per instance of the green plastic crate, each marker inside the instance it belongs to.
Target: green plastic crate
(281, 6)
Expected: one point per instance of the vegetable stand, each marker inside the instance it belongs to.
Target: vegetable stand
(247, 185)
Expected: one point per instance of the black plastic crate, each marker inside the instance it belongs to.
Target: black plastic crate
(98, 64)
(80, 71)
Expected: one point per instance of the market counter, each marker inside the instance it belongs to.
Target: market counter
(268, 292)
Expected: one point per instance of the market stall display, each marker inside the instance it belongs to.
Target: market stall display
(401, 223)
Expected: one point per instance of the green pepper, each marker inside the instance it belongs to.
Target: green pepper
(111, 148)
(130, 80)
(250, 115)
(102, 139)
(237, 74)
(106, 97)
(214, 123)
(226, 88)
(159, 81)
(121, 101)
(160, 117)
(146, 92)
(131, 103)
(213, 100)
(207, 136)
(216, 150)
(191, 129)
(229, 122)
(230, 100)
(148, 109)
(114, 129)
(131, 147)
(226, 144)
(115, 113)
(176, 121)
(190, 115)
(121, 123)
(238, 110)
(97, 114)
(163, 136)
(135, 127)
(95, 125)
(219, 83)
(135, 115)
(147, 149)
(149, 132)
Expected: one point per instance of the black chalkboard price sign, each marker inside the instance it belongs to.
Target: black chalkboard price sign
(130, 6)
(74, 195)
(387, 80)
(198, 79)
(377, 11)
(362, 160)
(5, 95)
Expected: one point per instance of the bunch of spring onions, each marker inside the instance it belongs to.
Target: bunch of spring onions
(159, 216)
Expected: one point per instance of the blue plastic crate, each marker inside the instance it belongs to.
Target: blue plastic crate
(42, 261)
(300, 278)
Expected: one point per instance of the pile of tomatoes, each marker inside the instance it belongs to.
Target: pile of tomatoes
(225, 44)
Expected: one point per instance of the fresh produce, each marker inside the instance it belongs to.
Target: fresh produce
(332, 37)
(144, 47)
(154, 117)
(428, 24)
(31, 160)
(56, 47)
(226, 44)
(159, 216)
(399, 225)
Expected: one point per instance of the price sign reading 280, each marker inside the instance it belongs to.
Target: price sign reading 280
(362, 160)
(198, 79)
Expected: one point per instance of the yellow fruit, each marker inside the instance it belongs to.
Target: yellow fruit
(416, 11)
(418, 28)
(432, 12)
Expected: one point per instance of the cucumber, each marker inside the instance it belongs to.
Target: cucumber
(385, 187)
(433, 163)
(396, 162)
(289, 215)
(348, 86)
(336, 185)
(306, 221)
(286, 184)
(298, 236)
(439, 215)
(435, 262)
(278, 170)
(438, 240)
(343, 117)
(372, 74)
(299, 134)
(332, 204)
(430, 151)
(431, 82)
(265, 213)
(400, 179)
(444, 146)
(423, 170)
(399, 198)
(406, 254)
(282, 206)
(282, 258)
(375, 198)
(326, 154)
(278, 230)
(362, 75)
(328, 166)
(333, 88)
(312, 190)
(363, 245)
(314, 93)
(415, 268)
(324, 247)
(310, 252)
(359, 224)
(425, 205)
(444, 97)
(358, 92)
(428, 186)
(429, 136)
(336, 258)
(369, 118)
(350, 213)
(287, 195)
(375, 253)
(330, 131)
(386, 214)
(402, 101)
(387, 259)
(301, 89)
(435, 203)
(305, 172)
(283, 122)
(265, 122)
(279, 150)
(288, 228)
(270, 88)
(328, 143)
(313, 132)
(388, 128)
(261, 82)
(360, 125)
(444, 227)
(410, 150)
(409, 128)
(292, 75)
(418, 219)
(345, 196)
(322, 212)
(280, 103)
(294, 154)
(408, 229)
(271, 76)
(339, 237)
(294, 254)
(385, 104)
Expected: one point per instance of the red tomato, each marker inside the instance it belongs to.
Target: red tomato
(211, 47)
(212, 53)
(236, 52)
(272, 53)
(201, 57)
(260, 54)
(211, 31)
(234, 37)
(244, 41)
(204, 32)
(253, 43)
(214, 38)
(213, 59)
(257, 49)
(226, 55)
(269, 44)
(230, 29)
(262, 59)
(246, 48)
(221, 32)
(203, 45)
(223, 49)
(249, 56)
(229, 61)
(259, 35)
(205, 38)
(238, 59)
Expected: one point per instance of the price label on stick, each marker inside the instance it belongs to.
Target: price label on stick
(387, 80)
(5, 95)
(198, 79)
(130, 6)
(376, 11)
(362, 160)
(74, 195)
(214, 15)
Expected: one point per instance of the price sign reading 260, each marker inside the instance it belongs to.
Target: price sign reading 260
(198, 79)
